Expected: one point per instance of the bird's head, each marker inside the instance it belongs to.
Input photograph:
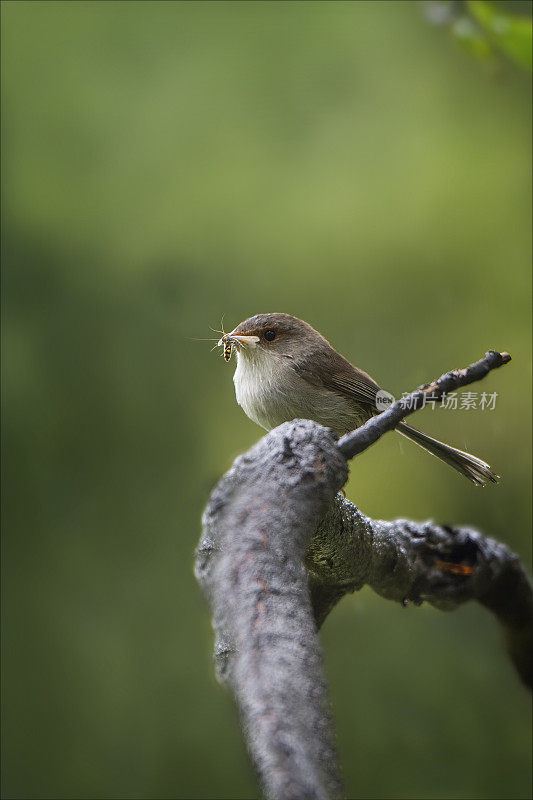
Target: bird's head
(270, 334)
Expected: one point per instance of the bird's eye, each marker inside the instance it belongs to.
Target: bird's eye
(270, 334)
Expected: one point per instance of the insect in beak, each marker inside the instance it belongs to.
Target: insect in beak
(230, 340)
(227, 343)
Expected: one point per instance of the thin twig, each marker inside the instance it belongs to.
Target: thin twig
(359, 440)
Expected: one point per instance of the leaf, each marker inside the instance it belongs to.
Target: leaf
(511, 34)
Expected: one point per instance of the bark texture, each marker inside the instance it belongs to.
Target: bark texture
(280, 547)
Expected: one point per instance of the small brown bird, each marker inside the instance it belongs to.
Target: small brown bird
(287, 370)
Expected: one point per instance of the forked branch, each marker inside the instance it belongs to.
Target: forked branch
(280, 547)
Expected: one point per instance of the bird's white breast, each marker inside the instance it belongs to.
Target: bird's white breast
(270, 392)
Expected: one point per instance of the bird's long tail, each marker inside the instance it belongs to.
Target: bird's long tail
(471, 467)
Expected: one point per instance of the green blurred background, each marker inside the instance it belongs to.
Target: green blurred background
(167, 163)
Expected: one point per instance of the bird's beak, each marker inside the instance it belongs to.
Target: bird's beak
(242, 341)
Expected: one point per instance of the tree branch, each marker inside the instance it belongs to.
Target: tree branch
(357, 441)
(250, 562)
(280, 548)
(415, 562)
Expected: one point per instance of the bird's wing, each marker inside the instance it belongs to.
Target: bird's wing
(338, 375)
(356, 384)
